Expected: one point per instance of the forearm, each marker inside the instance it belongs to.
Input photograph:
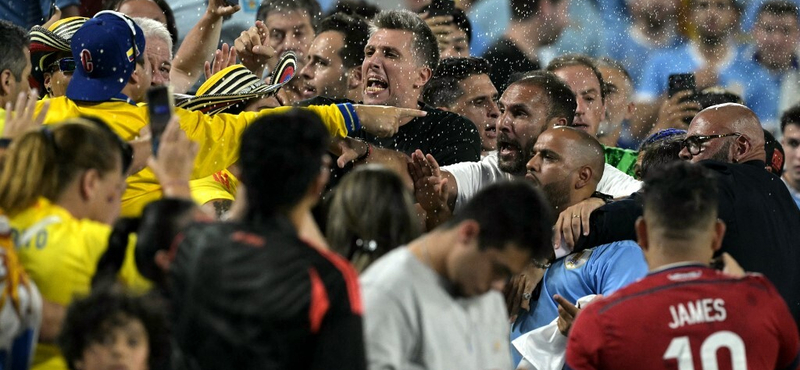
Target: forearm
(199, 44)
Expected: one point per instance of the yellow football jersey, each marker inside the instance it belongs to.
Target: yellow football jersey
(60, 254)
(221, 185)
(218, 135)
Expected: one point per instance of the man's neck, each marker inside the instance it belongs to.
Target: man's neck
(432, 250)
(792, 183)
(520, 33)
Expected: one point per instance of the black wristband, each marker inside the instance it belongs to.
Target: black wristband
(366, 154)
(4, 142)
(605, 197)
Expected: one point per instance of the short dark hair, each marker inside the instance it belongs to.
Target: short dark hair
(611, 63)
(444, 87)
(790, 116)
(659, 153)
(280, 155)
(461, 21)
(561, 98)
(680, 197)
(525, 9)
(426, 48)
(13, 40)
(570, 60)
(779, 7)
(311, 7)
(510, 212)
(354, 30)
(89, 318)
(355, 7)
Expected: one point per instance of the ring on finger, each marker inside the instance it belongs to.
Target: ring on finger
(526, 296)
(576, 216)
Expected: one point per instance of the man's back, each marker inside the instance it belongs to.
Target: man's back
(686, 317)
(256, 297)
(413, 322)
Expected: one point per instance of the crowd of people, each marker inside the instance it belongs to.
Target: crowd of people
(488, 184)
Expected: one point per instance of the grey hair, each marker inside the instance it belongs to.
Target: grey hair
(153, 28)
(426, 48)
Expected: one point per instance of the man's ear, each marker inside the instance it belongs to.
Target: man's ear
(468, 232)
(641, 233)
(7, 82)
(719, 234)
(423, 75)
(556, 121)
(89, 182)
(630, 110)
(584, 176)
(136, 76)
(742, 148)
(354, 77)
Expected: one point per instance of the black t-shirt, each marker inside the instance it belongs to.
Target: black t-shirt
(762, 225)
(506, 59)
(446, 136)
(254, 296)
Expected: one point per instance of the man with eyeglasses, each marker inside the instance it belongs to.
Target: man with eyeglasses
(567, 165)
(762, 220)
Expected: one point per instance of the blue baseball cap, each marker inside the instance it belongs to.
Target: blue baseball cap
(105, 50)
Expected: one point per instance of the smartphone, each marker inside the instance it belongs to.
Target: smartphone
(160, 105)
(682, 82)
(441, 8)
(232, 2)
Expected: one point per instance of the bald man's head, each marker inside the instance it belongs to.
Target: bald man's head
(567, 163)
(727, 132)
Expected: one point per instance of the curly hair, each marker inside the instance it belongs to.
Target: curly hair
(89, 318)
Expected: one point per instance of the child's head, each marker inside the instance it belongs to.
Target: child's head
(110, 329)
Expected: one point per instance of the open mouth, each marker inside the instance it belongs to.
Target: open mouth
(506, 148)
(376, 85)
(491, 131)
(309, 91)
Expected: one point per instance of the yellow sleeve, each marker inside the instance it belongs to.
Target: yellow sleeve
(2, 119)
(219, 135)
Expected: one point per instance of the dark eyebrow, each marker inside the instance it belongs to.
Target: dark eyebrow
(589, 91)
(549, 153)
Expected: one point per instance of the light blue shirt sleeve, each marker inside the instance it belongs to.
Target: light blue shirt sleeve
(619, 264)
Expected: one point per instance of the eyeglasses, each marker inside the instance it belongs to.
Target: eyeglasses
(66, 65)
(695, 143)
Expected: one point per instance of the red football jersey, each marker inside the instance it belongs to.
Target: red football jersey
(689, 317)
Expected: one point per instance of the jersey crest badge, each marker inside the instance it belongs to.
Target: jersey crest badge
(577, 260)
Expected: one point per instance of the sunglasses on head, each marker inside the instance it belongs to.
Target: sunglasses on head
(66, 65)
(695, 143)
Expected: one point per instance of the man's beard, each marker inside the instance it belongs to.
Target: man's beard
(516, 166)
(723, 154)
(557, 193)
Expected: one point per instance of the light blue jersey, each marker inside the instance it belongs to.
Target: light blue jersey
(600, 270)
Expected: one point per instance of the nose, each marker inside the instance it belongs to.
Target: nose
(534, 164)
(505, 123)
(581, 108)
(307, 72)
(684, 154)
(493, 111)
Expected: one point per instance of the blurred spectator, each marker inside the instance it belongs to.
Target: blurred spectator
(111, 329)
(434, 304)
(281, 284)
(680, 233)
(775, 157)
(659, 149)
(653, 29)
(614, 129)
(158, 50)
(333, 65)
(370, 214)
(776, 35)
(15, 63)
(20, 306)
(354, 7)
(790, 132)
(453, 34)
(462, 86)
(713, 57)
(583, 77)
(157, 10)
(533, 25)
(27, 14)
